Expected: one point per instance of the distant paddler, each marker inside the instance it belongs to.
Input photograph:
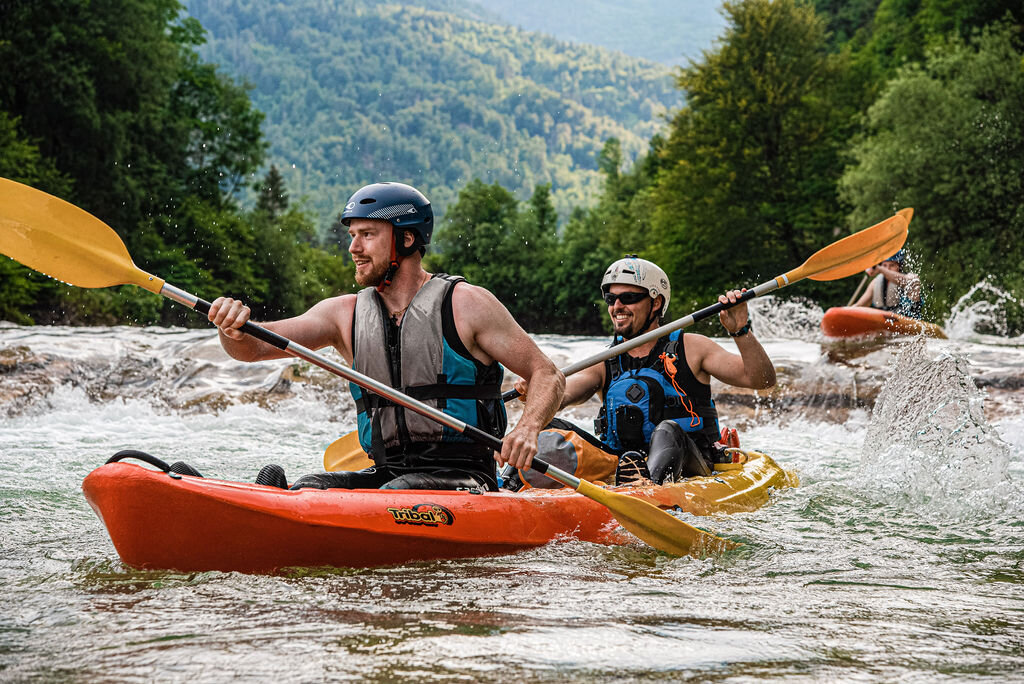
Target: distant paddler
(893, 288)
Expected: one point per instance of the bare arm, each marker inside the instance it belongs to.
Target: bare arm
(491, 334)
(865, 297)
(327, 323)
(578, 387)
(752, 368)
(908, 282)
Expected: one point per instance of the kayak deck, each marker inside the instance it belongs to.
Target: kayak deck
(860, 321)
(164, 520)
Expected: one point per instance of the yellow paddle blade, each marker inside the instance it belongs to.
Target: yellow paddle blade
(654, 526)
(64, 242)
(345, 453)
(856, 252)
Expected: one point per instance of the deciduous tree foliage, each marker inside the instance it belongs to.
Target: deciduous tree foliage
(747, 188)
(947, 137)
(106, 103)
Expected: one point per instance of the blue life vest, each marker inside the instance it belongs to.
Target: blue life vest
(640, 393)
(425, 359)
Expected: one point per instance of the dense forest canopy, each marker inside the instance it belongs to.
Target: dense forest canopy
(804, 121)
(356, 92)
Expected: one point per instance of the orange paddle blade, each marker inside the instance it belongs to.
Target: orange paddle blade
(856, 252)
(64, 242)
(654, 526)
(345, 453)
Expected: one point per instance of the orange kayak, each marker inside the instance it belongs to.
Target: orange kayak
(861, 321)
(163, 520)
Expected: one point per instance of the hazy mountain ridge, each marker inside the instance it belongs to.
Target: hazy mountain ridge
(361, 91)
(666, 31)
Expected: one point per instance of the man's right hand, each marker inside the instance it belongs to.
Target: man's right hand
(229, 315)
(520, 386)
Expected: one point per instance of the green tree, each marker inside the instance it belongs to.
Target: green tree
(902, 31)
(947, 138)
(130, 125)
(20, 160)
(747, 187)
(510, 251)
(271, 195)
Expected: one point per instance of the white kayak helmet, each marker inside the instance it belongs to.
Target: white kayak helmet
(632, 270)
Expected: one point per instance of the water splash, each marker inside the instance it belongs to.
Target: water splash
(929, 447)
(980, 315)
(791, 318)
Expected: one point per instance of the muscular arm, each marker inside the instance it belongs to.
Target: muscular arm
(491, 334)
(752, 368)
(328, 323)
(578, 387)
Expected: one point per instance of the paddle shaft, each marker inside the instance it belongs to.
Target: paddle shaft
(856, 293)
(366, 382)
(650, 336)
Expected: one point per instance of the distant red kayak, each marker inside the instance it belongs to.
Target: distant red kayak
(861, 321)
(164, 520)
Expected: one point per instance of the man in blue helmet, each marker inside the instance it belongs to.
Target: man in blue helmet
(657, 412)
(893, 289)
(435, 337)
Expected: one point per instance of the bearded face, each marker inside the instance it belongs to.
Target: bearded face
(370, 250)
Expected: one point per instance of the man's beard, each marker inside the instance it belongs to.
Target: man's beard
(373, 277)
(633, 328)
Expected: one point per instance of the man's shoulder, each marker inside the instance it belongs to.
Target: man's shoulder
(343, 304)
(465, 292)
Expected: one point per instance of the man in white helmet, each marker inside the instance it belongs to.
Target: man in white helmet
(657, 397)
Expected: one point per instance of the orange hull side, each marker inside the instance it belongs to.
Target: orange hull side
(184, 523)
(860, 321)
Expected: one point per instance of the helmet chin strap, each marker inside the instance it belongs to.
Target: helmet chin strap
(396, 261)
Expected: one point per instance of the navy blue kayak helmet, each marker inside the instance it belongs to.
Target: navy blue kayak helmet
(899, 257)
(403, 206)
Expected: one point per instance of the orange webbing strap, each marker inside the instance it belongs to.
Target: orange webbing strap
(669, 361)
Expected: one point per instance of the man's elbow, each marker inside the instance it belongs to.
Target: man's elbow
(765, 380)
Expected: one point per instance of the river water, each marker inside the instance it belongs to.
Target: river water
(899, 558)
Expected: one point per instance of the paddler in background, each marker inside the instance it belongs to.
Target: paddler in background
(893, 289)
(435, 337)
(658, 420)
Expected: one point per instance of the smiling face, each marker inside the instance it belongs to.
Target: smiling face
(630, 320)
(370, 249)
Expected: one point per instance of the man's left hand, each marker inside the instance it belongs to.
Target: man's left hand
(736, 317)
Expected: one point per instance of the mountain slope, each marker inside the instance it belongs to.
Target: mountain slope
(356, 92)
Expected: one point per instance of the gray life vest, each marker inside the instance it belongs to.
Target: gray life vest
(425, 359)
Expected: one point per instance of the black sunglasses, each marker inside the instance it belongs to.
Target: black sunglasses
(626, 297)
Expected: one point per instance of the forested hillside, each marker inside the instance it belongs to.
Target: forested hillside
(357, 91)
(800, 126)
(802, 123)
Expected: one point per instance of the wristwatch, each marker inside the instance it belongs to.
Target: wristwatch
(742, 331)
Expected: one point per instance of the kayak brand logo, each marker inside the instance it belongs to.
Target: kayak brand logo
(428, 514)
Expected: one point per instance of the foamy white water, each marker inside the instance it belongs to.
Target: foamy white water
(898, 557)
